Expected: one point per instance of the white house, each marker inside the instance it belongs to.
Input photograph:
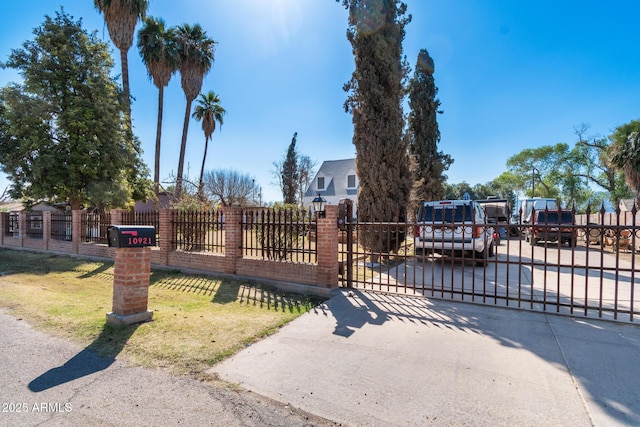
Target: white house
(335, 180)
(626, 205)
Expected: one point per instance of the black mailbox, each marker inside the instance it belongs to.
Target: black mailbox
(131, 236)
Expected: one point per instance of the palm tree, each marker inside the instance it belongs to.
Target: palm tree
(196, 52)
(156, 45)
(121, 17)
(209, 111)
(625, 154)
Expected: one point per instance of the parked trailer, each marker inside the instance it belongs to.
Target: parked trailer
(497, 212)
(523, 208)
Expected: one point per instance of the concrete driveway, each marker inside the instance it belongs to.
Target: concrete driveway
(566, 279)
(370, 359)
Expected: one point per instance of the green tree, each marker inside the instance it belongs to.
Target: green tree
(121, 17)
(593, 155)
(196, 53)
(625, 153)
(376, 90)
(428, 164)
(156, 45)
(290, 173)
(209, 112)
(62, 134)
(570, 173)
(537, 169)
(457, 191)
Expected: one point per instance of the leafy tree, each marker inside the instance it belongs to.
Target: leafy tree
(156, 45)
(593, 154)
(625, 153)
(229, 187)
(62, 135)
(569, 172)
(208, 111)
(457, 191)
(376, 90)
(537, 169)
(428, 164)
(121, 17)
(196, 53)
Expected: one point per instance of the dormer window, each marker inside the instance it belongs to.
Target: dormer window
(321, 183)
(351, 181)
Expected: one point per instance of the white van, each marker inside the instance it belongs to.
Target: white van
(452, 227)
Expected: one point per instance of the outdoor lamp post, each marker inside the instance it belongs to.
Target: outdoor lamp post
(318, 206)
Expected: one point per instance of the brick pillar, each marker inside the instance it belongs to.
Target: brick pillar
(166, 233)
(22, 227)
(76, 230)
(232, 237)
(116, 216)
(131, 286)
(46, 229)
(3, 226)
(327, 244)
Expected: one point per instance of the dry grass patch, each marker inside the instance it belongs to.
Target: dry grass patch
(197, 320)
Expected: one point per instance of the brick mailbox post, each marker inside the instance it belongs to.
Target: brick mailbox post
(131, 273)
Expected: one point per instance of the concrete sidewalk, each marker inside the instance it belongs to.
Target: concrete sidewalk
(370, 359)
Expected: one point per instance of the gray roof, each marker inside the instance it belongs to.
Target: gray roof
(335, 173)
(627, 205)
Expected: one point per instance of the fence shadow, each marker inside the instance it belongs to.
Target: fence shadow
(560, 341)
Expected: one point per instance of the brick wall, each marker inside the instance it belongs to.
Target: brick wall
(321, 276)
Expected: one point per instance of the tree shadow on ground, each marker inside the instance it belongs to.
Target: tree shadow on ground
(96, 357)
(579, 345)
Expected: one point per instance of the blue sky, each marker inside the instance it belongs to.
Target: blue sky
(511, 75)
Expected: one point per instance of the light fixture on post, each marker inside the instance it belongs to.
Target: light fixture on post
(318, 206)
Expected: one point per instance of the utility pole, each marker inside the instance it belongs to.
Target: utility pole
(533, 182)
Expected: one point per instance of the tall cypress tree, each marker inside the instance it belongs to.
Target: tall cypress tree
(289, 177)
(428, 164)
(376, 31)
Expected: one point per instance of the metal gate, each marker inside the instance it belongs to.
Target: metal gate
(591, 277)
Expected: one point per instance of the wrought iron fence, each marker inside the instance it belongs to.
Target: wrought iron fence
(61, 226)
(12, 225)
(34, 225)
(143, 218)
(594, 274)
(94, 227)
(279, 235)
(199, 231)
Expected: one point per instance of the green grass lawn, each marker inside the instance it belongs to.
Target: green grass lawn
(197, 320)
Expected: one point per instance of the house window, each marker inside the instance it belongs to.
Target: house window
(12, 223)
(351, 181)
(36, 222)
(320, 183)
